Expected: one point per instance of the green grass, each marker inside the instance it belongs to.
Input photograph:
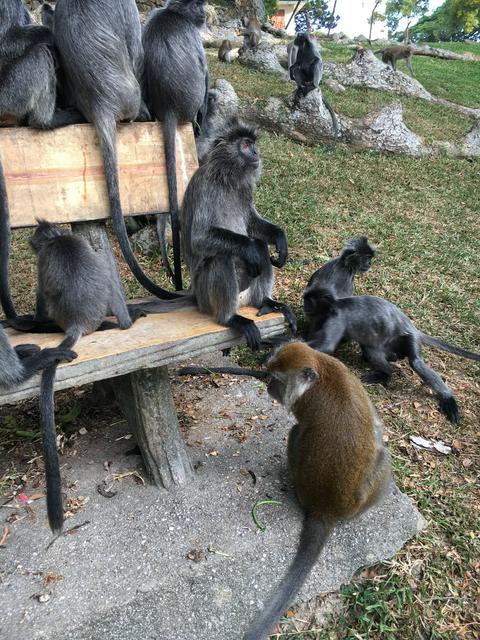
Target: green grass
(431, 122)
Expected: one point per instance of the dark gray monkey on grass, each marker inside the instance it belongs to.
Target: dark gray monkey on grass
(225, 240)
(339, 273)
(305, 66)
(384, 333)
(100, 47)
(76, 289)
(176, 89)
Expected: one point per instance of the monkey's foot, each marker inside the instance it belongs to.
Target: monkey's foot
(449, 407)
(26, 350)
(136, 312)
(269, 305)
(248, 328)
(375, 377)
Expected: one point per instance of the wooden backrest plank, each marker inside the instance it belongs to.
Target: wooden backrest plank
(58, 175)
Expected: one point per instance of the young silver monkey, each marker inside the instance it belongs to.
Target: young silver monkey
(76, 289)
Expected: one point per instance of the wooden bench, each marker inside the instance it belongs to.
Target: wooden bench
(58, 175)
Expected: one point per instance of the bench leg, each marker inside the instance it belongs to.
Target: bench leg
(146, 399)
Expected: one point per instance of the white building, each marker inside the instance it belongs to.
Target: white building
(354, 16)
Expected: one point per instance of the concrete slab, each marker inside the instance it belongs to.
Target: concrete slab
(126, 576)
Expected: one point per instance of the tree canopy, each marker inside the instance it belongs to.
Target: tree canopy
(315, 15)
(453, 20)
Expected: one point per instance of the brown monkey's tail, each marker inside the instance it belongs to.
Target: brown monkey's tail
(312, 539)
(236, 371)
(49, 440)
(440, 344)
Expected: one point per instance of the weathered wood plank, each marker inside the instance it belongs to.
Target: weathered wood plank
(154, 341)
(58, 175)
(146, 399)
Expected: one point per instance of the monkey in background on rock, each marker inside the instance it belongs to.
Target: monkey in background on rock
(391, 55)
(252, 33)
(336, 457)
(339, 273)
(225, 240)
(305, 66)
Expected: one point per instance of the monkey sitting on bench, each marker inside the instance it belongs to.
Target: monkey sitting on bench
(225, 240)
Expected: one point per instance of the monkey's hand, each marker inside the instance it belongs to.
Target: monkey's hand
(281, 247)
(255, 257)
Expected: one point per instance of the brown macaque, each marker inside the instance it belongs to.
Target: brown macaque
(336, 457)
(225, 51)
(391, 55)
(252, 33)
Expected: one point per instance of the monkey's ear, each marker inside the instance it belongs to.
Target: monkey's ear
(309, 375)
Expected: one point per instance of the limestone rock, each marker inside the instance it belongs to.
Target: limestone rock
(263, 58)
(366, 70)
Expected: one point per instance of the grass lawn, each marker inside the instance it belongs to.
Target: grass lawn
(423, 215)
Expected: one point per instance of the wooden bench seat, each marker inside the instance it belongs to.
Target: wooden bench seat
(58, 175)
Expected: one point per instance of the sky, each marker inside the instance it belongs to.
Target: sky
(353, 15)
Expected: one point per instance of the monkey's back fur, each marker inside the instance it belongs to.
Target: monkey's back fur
(67, 258)
(174, 43)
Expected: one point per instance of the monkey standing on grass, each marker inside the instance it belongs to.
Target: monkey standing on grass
(385, 334)
(77, 290)
(337, 461)
(225, 240)
(176, 87)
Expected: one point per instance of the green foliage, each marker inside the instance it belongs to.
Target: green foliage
(398, 9)
(453, 20)
(315, 15)
(271, 7)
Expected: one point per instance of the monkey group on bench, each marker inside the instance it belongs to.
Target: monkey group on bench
(90, 62)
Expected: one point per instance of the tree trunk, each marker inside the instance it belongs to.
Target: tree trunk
(252, 8)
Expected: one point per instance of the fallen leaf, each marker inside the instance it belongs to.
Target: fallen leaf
(4, 536)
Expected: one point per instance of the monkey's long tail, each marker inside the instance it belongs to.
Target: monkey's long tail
(440, 344)
(49, 439)
(334, 122)
(236, 371)
(106, 130)
(312, 539)
(5, 240)
(169, 134)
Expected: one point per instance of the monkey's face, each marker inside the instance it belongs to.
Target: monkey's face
(248, 153)
(364, 263)
(276, 389)
(301, 40)
(194, 10)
